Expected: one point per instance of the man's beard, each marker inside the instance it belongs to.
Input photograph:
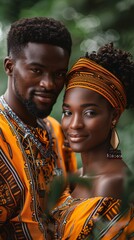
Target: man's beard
(31, 106)
(33, 110)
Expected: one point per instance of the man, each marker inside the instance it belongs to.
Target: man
(31, 149)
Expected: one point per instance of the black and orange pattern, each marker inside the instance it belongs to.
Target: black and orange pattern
(98, 79)
(94, 218)
(25, 174)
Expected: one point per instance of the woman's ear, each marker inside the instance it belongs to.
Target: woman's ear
(8, 65)
(116, 116)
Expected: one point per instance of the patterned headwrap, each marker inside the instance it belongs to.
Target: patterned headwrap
(88, 74)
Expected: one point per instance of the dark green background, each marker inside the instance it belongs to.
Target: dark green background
(92, 23)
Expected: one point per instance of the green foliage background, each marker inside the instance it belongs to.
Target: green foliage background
(91, 23)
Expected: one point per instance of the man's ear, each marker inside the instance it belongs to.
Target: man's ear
(8, 65)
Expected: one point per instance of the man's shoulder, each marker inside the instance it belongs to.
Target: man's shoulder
(54, 125)
(52, 120)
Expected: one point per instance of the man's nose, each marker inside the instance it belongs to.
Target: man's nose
(47, 82)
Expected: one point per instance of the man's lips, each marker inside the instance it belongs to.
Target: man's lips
(44, 97)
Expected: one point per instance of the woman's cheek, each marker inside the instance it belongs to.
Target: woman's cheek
(64, 124)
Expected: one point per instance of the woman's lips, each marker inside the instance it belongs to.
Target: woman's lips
(76, 137)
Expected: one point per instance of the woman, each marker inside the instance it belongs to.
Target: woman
(100, 87)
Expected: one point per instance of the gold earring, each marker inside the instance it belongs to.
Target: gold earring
(113, 152)
(114, 139)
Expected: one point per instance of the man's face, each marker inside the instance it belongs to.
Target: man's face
(37, 78)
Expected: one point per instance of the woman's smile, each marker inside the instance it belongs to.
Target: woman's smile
(76, 138)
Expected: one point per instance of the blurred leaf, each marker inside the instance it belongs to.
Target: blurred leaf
(128, 193)
(59, 184)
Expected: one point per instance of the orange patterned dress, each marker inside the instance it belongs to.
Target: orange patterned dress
(92, 219)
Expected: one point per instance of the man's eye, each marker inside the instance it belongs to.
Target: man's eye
(36, 70)
(60, 75)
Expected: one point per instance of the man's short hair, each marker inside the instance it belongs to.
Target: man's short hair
(37, 30)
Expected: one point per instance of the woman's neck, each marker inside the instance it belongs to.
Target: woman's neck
(94, 161)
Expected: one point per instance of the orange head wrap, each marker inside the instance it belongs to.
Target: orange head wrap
(88, 74)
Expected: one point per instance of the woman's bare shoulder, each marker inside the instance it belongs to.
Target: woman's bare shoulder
(110, 185)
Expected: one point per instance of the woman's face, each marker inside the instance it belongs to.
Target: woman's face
(87, 119)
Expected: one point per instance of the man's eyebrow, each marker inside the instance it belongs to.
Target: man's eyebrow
(42, 65)
(37, 64)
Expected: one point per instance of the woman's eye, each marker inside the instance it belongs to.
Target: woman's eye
(90, 113)
(66, 113)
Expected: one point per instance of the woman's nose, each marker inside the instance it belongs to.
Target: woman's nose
(76, 122)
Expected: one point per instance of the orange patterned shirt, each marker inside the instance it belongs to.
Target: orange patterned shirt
(29, 159)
